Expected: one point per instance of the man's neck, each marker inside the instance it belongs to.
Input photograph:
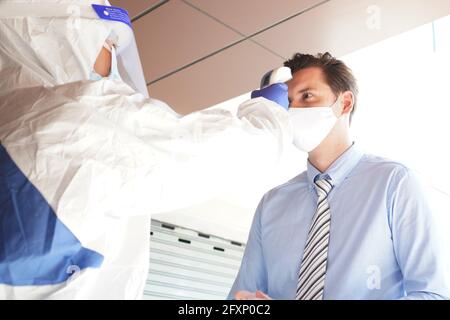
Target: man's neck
(327, 152)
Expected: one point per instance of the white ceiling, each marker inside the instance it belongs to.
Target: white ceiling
(197, 53)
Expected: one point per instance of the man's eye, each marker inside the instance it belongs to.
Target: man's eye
(307, 95)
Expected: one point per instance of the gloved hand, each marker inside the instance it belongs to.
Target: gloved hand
(277, 92)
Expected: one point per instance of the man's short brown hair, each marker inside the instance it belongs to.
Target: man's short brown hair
(338, 76)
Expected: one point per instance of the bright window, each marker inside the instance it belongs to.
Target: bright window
(404, 105)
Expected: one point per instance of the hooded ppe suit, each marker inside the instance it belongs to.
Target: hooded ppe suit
(83, 164)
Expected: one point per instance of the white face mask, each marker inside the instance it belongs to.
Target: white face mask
(312, 125)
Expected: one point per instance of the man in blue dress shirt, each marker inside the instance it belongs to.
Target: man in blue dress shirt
(353, 225)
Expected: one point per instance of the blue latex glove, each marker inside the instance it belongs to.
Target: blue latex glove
(277, 92)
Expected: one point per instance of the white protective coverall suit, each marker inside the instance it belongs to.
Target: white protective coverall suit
(83, 164)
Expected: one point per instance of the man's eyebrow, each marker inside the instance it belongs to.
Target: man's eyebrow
(306, 89)
(302, 91)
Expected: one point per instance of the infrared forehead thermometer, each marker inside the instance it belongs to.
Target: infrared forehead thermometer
(278, 75)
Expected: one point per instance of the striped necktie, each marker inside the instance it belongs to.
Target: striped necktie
(311, 280)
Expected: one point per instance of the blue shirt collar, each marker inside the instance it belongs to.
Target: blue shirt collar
(339, 169)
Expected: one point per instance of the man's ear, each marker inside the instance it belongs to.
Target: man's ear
(348, 101)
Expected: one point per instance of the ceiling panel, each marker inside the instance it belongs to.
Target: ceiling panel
(342, 26)
(250, 16)
(134, 7)
(175, 35)
(227, 74)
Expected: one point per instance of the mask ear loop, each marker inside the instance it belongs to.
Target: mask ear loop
(111, 41)
(114, 74)
(111, 45)
(107, 46)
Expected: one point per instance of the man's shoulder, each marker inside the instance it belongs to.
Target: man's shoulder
(379, 170)
(292, 185)
(380, 164)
